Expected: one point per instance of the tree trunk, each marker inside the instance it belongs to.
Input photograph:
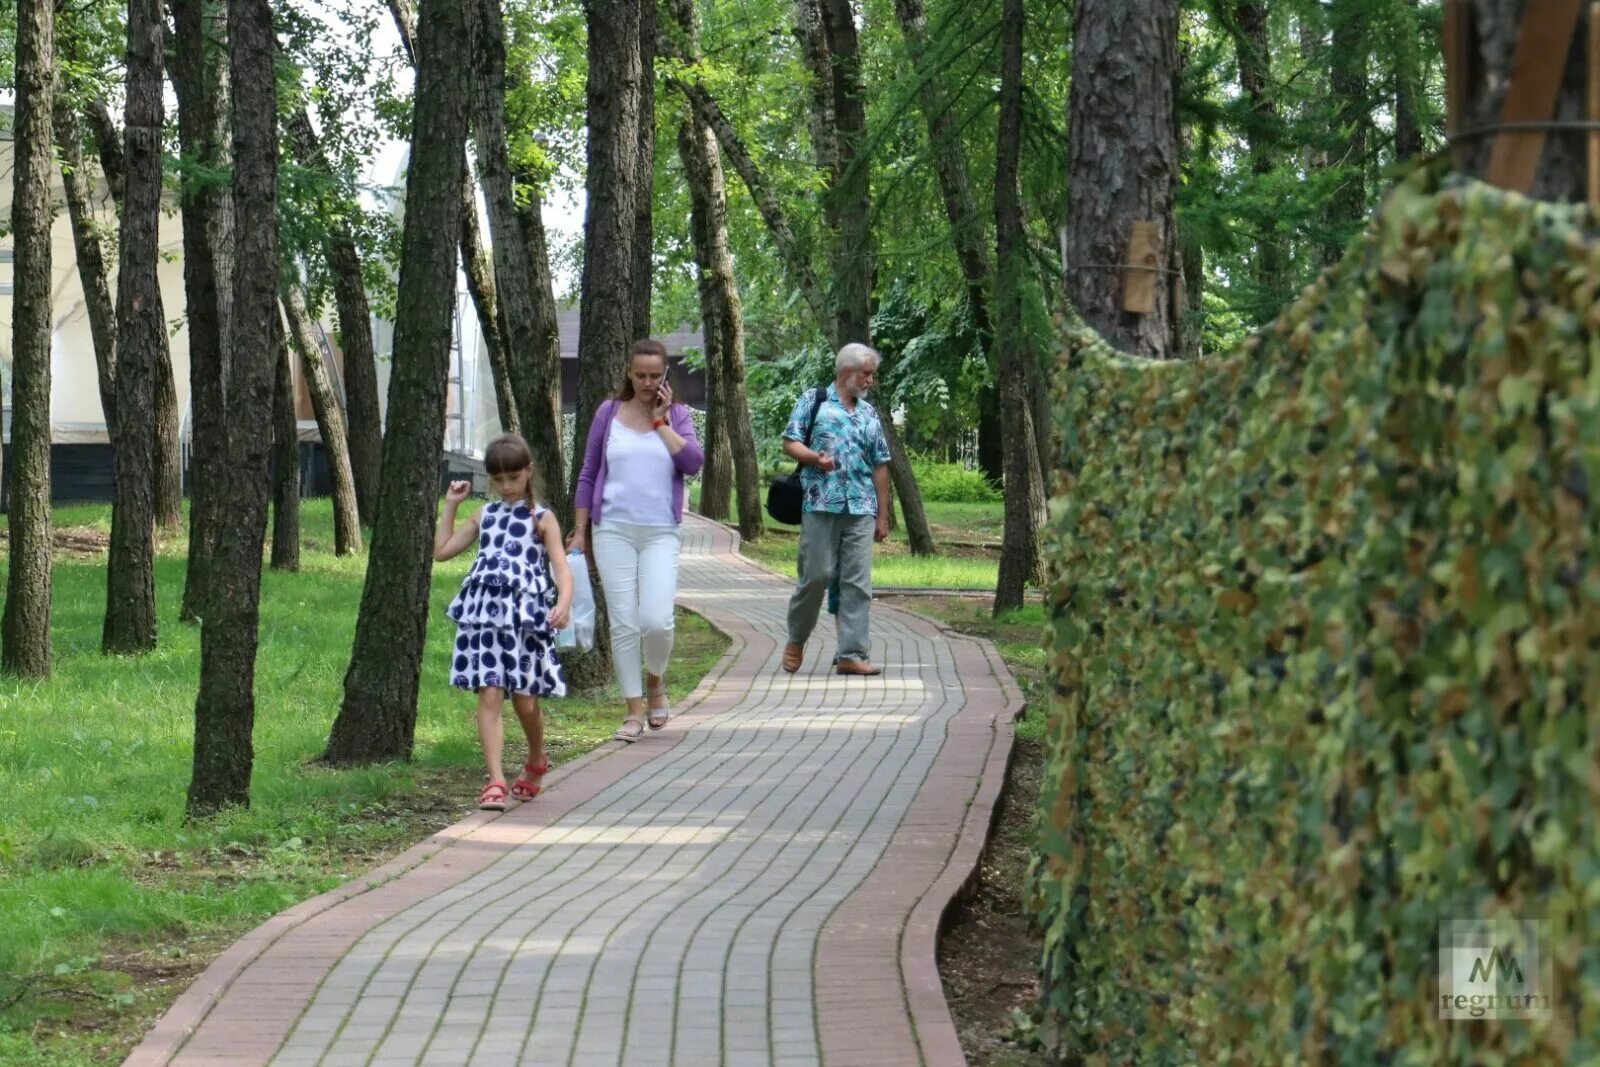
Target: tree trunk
(1495, 30)
(285, 462)
(365, 417)
(1407, 89)
(1024, 481)
(608, 305)
(966, 225)
(166, 470)
(200, 78)
(546, 328)
(1253, 50)
(644, 179)
(25, 630)
(514, 283)
(1352, 115)
(378, 717)
(767, 203)
(848, 207)
(716, 476)
(848, 202)
(480, 286)
(721, 311)
(169, 444)
(130, 621)
(225, 707)
(475, 263)
(330, 423)
(93, 275)
(1122, 164)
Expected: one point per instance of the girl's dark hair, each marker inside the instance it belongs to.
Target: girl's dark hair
(508, 454)
(649, 346)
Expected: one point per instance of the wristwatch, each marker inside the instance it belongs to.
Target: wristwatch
(658, 424)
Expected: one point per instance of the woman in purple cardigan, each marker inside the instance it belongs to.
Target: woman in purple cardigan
(641, 447)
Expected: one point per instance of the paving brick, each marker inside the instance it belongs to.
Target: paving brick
(778, 858)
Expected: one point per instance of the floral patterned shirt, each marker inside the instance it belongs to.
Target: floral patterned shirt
(855, 439)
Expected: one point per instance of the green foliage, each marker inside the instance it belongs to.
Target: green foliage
(952, 483)
(1322, 631)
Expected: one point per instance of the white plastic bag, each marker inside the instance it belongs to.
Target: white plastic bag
(579, 632)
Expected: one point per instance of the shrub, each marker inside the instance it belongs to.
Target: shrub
(952, 483)
(1323, 635)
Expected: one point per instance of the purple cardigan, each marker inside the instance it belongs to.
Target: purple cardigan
(592, 480)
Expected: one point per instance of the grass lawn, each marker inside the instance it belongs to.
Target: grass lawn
(963, 532)
(109, 901)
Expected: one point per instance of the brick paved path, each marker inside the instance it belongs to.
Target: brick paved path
(761, 883)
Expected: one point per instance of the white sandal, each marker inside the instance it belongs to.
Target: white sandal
(624, 734)
(659, 717)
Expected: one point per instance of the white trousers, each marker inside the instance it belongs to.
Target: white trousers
(639, 572)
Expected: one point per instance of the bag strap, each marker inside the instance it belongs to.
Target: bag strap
(819, 394)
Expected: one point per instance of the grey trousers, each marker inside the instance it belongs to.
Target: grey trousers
(835, 544)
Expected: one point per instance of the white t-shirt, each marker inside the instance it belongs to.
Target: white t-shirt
(639, 477)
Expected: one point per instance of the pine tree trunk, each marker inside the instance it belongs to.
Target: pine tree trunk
(848, 207)
(285, 462)
(130, 620)
(716, 476)
(365, 418)
(377, 719)
(966, 225)
(1407, 90)
(608, 305)
(480, 286)
(1352, 117)
(1024, 481)
(1122, 164)
(1253, 50)
(330, 423)
(25, 630)
(169, 445)
(475, 263)
(93, 275)
(225, 707)
(1496, 29)
(200, 78)
(546, 328)
(644, 180)
(514, 283)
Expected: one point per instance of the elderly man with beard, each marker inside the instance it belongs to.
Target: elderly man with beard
(845, 487)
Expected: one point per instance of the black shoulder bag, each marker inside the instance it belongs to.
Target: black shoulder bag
(784, 495)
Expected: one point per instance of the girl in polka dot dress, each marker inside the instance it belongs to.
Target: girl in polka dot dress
(515, 597)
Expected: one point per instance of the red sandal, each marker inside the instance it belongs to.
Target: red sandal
(493, 797)
(527, 785)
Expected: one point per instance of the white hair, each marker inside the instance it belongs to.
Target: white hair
(853, 355)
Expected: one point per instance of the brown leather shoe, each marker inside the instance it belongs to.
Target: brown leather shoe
(857, 666)
(793, 655)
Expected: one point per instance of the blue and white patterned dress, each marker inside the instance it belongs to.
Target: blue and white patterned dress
(502, 614)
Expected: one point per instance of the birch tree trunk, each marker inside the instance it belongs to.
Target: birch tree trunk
(25, 628)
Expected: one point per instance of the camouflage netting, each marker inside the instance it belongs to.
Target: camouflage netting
(1326, 638)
